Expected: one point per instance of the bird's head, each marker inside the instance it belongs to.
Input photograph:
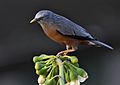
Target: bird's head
(42, 15)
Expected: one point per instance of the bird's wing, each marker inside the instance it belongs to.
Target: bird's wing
(70, 29)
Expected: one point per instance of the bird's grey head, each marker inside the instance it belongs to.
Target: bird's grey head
(42, 16)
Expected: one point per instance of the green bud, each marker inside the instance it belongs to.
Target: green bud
(43, 56)
(73, 75)
(50, 82)
(82, 79)
(38, 72)
(72, 72)
(76, 64)
(74, 59)
(35, 59)
(67, 76)
(38, 58)
(82, 72)
(38, 65)
(79, 71)
(42, 71)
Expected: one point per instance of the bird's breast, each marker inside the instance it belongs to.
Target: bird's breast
(50, 31)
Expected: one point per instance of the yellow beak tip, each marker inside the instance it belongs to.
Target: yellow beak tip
(33, 20)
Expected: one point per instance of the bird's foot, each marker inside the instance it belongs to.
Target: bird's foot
(62, 53)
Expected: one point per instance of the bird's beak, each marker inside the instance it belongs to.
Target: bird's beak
(33, 20)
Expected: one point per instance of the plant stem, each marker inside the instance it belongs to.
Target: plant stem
(61, 71)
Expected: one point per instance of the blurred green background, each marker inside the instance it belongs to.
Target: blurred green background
(20, 40)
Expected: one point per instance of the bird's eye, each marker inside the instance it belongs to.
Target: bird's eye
(41, 18)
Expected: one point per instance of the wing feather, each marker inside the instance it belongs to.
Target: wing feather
(70, 29)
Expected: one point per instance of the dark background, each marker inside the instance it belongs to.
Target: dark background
(20, 40)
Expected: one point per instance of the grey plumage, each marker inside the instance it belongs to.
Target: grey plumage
(69, 28)
(98, 43)
(66, 27)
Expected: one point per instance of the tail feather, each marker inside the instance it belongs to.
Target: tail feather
(98, 43)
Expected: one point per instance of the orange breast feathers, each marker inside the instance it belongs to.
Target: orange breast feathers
(51, 32)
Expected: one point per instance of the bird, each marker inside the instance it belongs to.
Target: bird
(66, 32)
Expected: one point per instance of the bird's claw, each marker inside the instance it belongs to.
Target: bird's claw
(62, 53)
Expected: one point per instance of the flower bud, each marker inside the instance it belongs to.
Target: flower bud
(50, 82)
(72, 83)
(35, 59)
(74, 59)
(75, 82)
(82, 72)
(82, 79)
(41, 79)
(67, 76)
(38, 65)
(68, 83)
(73, 75)
(42, 71)
(76, 64)
(38, 58)
(43, 56)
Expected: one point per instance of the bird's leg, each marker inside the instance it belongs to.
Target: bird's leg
(66, 51)
(62, 52)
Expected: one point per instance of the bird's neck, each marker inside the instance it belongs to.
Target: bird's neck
(46, 23)
(45, 26)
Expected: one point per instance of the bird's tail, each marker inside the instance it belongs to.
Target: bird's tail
(98, 43)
